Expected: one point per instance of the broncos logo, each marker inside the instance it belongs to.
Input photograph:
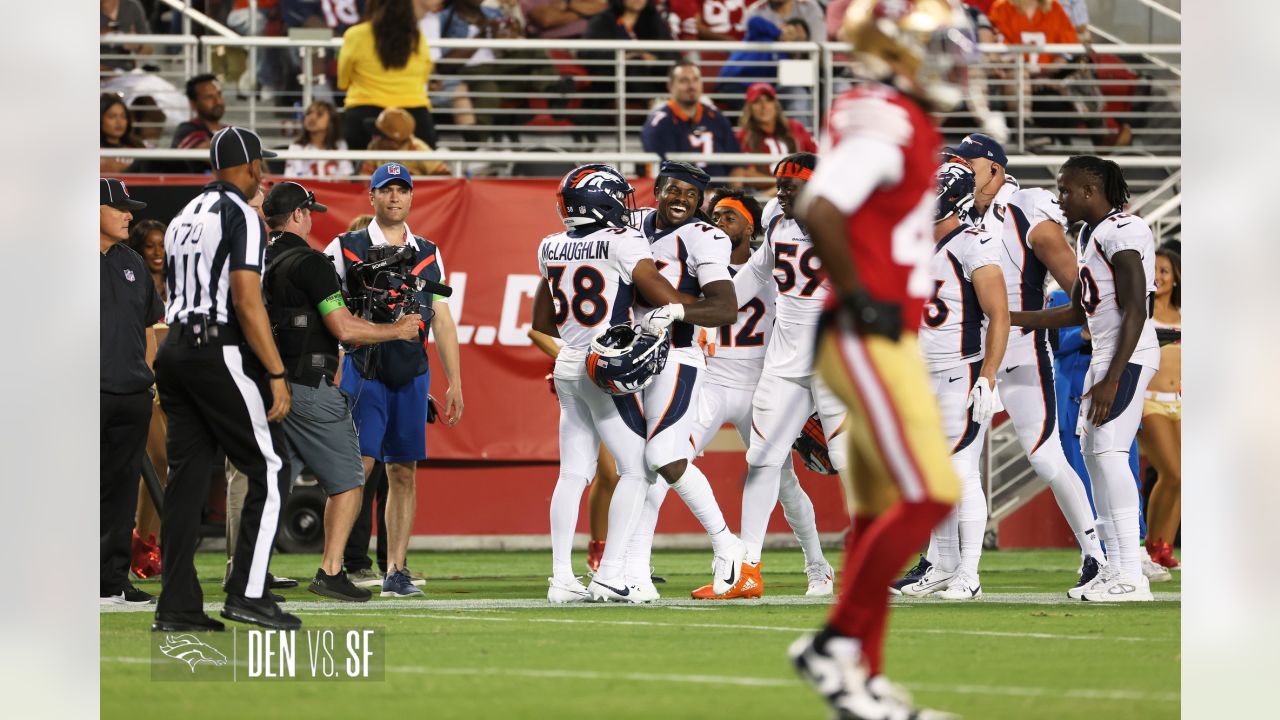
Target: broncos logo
(592, 178)
(189, 649)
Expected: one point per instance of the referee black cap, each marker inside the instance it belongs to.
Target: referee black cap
(232, 146)
(114, 193)
(286, 197)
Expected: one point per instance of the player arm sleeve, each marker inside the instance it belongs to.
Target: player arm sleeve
(848, 175)
(980, 255)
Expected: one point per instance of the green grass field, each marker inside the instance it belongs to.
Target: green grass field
(484, 644)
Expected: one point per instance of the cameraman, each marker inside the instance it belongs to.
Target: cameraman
(309, 317)
(389, 382)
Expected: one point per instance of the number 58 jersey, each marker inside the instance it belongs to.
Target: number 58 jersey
(590, 281)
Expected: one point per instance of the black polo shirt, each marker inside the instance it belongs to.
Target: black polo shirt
(315, 277)
(129, 305)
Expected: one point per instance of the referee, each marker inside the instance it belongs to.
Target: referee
(221, 383)
(129, 306)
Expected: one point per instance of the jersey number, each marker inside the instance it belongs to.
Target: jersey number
(807, 267)
(936, 310)
(912, 245)
(1089, 296)
(747, 335)
(588, 303)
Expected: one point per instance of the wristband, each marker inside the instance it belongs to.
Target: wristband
(277, 376)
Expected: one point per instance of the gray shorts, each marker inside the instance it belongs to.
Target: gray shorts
(322, 437)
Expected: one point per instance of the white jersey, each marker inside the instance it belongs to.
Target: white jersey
(689, 257)
(1024, 274)
(787, 258)
(735, 353)
(590, 282)
(1098, 244)
(993, 218)
(953, 325)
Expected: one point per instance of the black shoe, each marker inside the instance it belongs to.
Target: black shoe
(338, 587)
(261, 611)
(1089, 570)
(130, 595)
(912, 575)
(280, 583)
(186, 622)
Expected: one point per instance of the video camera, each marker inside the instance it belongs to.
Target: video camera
(383, 288)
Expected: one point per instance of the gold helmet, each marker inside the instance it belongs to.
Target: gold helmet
(924, 46)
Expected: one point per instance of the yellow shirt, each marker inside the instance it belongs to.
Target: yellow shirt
(368, 82)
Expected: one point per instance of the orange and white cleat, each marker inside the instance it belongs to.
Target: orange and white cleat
(749, 586)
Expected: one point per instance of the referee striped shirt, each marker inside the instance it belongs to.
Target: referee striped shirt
(216, 232)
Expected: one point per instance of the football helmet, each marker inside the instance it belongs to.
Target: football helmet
(922, 46)
(623, 359)
(595, 194)
(812, 447)
(955, 191)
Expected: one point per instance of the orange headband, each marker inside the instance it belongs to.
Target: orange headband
(793, 170)
(734, 204)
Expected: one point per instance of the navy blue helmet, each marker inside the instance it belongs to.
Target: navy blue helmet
(624, 360)
(595, 194)
(955, 191)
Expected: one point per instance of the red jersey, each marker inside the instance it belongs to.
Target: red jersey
(722, 16)
(891, 231)
(774, 145)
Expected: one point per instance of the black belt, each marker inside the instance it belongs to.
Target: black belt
(197, 334)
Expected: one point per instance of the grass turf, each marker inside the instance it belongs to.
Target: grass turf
(1018, 653)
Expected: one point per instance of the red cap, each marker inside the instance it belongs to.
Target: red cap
(755, 90)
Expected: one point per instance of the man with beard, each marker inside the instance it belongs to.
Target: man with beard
(205, 94)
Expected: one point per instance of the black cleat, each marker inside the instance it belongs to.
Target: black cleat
(259, 611)
(130, 595)
(280, 583)
(186, 622)
(338, 587)
(1089, 570)
(912, 576)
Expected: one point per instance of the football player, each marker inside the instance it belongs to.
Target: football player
(1032, 230)
(969, 300)
(592, 271)
(694, 257)
(736, 357)
(869, 209)
(1113, 293)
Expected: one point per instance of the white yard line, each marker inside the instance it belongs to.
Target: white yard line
(739, 681)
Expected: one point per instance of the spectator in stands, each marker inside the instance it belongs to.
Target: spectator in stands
(1078, 11)
(709, 19)
(275, 65)
(687, 123)
(1033, 22)
(780, 11)
(393, 132)
(556, 19)
(745, 67)
(320, 131)
(147, 120)
(445, 91)
(626, 20)
(765, 128)
(204, 92)
(115, 131)
(1161, 433)
(385, 62)
(147, 239)
(122, 16)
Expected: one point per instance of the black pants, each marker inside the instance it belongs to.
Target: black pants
(123, 433)
(356, 556)
(357, 125)
(217, 396)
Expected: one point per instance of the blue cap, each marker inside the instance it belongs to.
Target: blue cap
(978, 145)
(388, 173)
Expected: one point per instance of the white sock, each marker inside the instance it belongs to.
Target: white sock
(1106, 531)
(695, 491)
(1122, 497)
(1073, 501)
(638, 565)
(565, 501)
(759, 496)
(624, 513)
(972, 520)
(944, 543)
(797, 508)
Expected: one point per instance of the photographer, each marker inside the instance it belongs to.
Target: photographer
(310, 317)
(389, 383)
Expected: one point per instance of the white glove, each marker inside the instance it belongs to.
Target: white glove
(657, 321)
(982, 402)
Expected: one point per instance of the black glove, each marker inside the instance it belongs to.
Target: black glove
(873, 317)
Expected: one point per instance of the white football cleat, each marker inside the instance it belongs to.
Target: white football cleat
(614, 590)
(822, 579)
(565, 591)
(725, 569)
(1105, 574)
(1154, 571)
(644, 591)
(962, 587)
(835, 672)
(898, 702)
(935, 580)
(1119, 588)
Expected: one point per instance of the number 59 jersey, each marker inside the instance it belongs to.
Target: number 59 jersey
(952, 329)
(1098, 245)
(590, 281)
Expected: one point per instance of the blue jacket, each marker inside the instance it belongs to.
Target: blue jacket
(758, 30)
